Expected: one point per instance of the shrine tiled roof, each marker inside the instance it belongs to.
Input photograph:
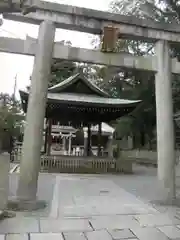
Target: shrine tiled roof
(78, 99)
(71, 80)
(70, 97)
(84, 98)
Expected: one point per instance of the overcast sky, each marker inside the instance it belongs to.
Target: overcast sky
(12, 65)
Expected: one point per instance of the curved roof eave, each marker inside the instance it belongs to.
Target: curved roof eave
(67, 82)
(89, 99)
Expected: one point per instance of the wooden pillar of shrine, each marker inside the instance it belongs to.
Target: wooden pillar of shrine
(110, 146)
(89, 141)
(70, 145)
(64, 143)
(99, 139)
(85, 142)
(49, 137)
(46, 136)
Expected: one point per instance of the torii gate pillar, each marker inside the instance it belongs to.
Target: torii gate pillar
(165, 123)
(30, 162)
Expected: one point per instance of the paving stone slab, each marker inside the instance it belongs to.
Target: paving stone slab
(103, 209)
(113, 222)
(78, 211)
(19, 225)
(64, 225)
(118, 234)
(149, 234)
(153, 220)
(87, 196)
(46, 236)
(170, 231)
(17, 237)
(74, 236)
(98, 235)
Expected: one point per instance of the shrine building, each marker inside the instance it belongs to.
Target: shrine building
(76, 104)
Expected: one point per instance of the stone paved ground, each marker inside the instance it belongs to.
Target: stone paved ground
(95, 207)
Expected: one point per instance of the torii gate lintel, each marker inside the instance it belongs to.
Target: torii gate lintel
(93, 21)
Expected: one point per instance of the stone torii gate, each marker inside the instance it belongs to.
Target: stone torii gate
(52, 15)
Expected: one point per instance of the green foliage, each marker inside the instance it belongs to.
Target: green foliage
(61, 70)
(11, 118)
(140, 85)
(124, 127)
(172, 12)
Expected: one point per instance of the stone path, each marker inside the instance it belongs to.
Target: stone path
(93, 207)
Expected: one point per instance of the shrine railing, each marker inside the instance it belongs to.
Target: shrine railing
(79, 164)
(69, 164)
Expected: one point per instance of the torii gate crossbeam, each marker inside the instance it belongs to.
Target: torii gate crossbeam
(68, 53)
(123, 60)
(93, 21)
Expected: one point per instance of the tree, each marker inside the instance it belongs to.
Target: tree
(61, 70)
(140, 85)
(134, 84)
(11, 120)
